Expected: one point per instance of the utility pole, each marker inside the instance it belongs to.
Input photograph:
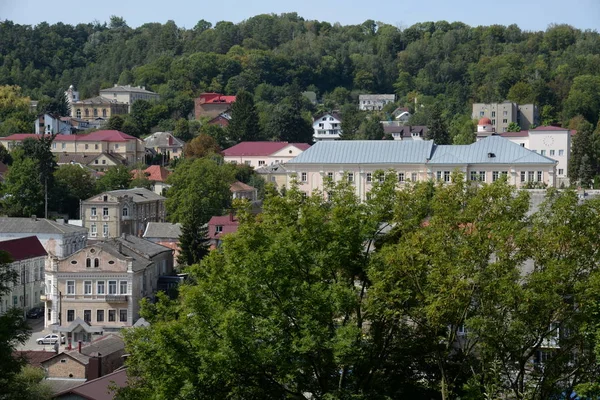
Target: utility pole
(46, 197)
(24, 281)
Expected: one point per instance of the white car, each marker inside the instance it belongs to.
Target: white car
(50, 339)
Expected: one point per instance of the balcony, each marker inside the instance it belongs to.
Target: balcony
(94, 217)
(113, 298)
(105, 218)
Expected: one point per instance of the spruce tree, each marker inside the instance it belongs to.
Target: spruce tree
(193, 242)
(438, 131)
(244, 119)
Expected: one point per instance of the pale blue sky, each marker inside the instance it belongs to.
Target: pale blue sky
(528, 14)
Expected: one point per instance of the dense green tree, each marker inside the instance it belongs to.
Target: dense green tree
(22, 192)
(582, 146)
(513, 127)
(462, 130)
(5, 156)
(117, 177)
(75, 183)
(244, 119)
(115, 122)
(371, 129)
(201, 146)
(437, 129)
(287, 124)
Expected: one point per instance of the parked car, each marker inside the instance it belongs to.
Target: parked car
(50, 339)
(35, 312)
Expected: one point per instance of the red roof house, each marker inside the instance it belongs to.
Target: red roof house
(219, 226)
(212, 104)
(259, 154)
(155, 173)
(23, 248)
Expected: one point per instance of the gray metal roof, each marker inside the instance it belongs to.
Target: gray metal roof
(127, 89)
(38, 226)
(139, 195)
(162, 230)
(366, 152)
(162, 139)
(141, 246)
(419, 152)
(491, 150)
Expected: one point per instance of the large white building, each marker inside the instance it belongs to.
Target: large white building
(262, 154)
(486, 160)
(374, 102)
(548, 141)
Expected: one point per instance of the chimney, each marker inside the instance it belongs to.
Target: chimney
(79, 346)
(33, 218)
(94, 368)
(231, 215)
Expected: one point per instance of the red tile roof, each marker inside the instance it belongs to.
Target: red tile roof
(484, 121)
(228, 222)
(23, 248)
(216, 98)
(260, 148)
(154, 173)
(35, 358)
(98, 136)
(238, 186)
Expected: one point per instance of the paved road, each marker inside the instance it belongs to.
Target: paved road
(37, 331)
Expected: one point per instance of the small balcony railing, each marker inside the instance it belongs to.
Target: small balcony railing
(113, 298)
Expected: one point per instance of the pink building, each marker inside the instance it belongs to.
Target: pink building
(260, 154)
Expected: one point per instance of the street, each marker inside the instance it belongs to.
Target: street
(37, 331)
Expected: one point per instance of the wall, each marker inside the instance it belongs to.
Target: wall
(28, 294)
(64, 366)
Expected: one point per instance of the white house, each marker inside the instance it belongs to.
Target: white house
(549, 141)
(417, 160)
(374, 102)
(260, 154)
(51, 124)
(327, 126)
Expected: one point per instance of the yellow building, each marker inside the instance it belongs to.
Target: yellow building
(97, 108)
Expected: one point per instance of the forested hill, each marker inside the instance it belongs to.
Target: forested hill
(558, 68)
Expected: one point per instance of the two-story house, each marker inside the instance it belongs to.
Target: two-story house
(374, 102)
(418, 160)
(97, 109)
(100, 148)
(327, 126)
(212, 104)
(165, 143)
(103, 283)
(49, 124)
(57, 237)
(110, 214)
(260, 154)
(28, 257)
(157, 175)
(128, 94)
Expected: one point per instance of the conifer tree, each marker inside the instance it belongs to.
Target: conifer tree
(244, 119)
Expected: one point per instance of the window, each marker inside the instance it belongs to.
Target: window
(561, 152)
(63, 146)
(438, 175)
(523, 176)
(71, 287)
(505, 113)
(87, 287)
(218, 228)
(248, 162)
(493, 114)
(116, 145)
(261, 162)
(103, 161)
(381, 178)
(104, 230)
(539, 176)
(96, 262)
(493, 122)
(473, 175)
(122, 315)
(481, 113)
(123, 287)
(400, 176)
(78, 113)
(303, 177)
(112, 287)
(530, 176)
(96, 146)
(495, 176)
(504, 174)
(70, 315)
(88, 263)
(86, 146)
(100, 316)
(105, 198)
(105, 211)
(446, 176)
(522, 144)
(104, 112)
(543, 152)
(504, 121)
(94, 229)
(112, 315)
(561, 171)
(413, 177)
(87, 316)
(126, 211)
(54, 145)
(330, 176)
(95, 112)
(100, 287)
(369, 177)
(87, 112)
(350, 177)
(93, 211)
(551, 152)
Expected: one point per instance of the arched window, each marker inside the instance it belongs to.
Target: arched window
(96, 263)
(95, 112)
(88, 262)
(87, 112)
(104, 112)
(78, 113)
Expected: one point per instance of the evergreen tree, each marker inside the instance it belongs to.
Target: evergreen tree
(193, 242)
(586, 172)
(582, 145)
(287, 124)
(437, 129)
(244, 119)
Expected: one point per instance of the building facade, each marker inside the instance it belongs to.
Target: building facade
(128, 94)
(359, 161)
(58, 238)
(111, 214)
(115, 143)
(374, 102)
(327, 126)
(212, 104)
(165, 143)
(28, 258)
(103, 283)
(97, 109)
(49, 124)
(260, 154)
(503, 114)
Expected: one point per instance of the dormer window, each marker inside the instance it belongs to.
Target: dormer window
(105, 198)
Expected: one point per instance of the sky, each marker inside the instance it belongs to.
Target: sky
(532, 15)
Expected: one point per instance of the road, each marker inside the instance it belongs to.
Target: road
(37, 331)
